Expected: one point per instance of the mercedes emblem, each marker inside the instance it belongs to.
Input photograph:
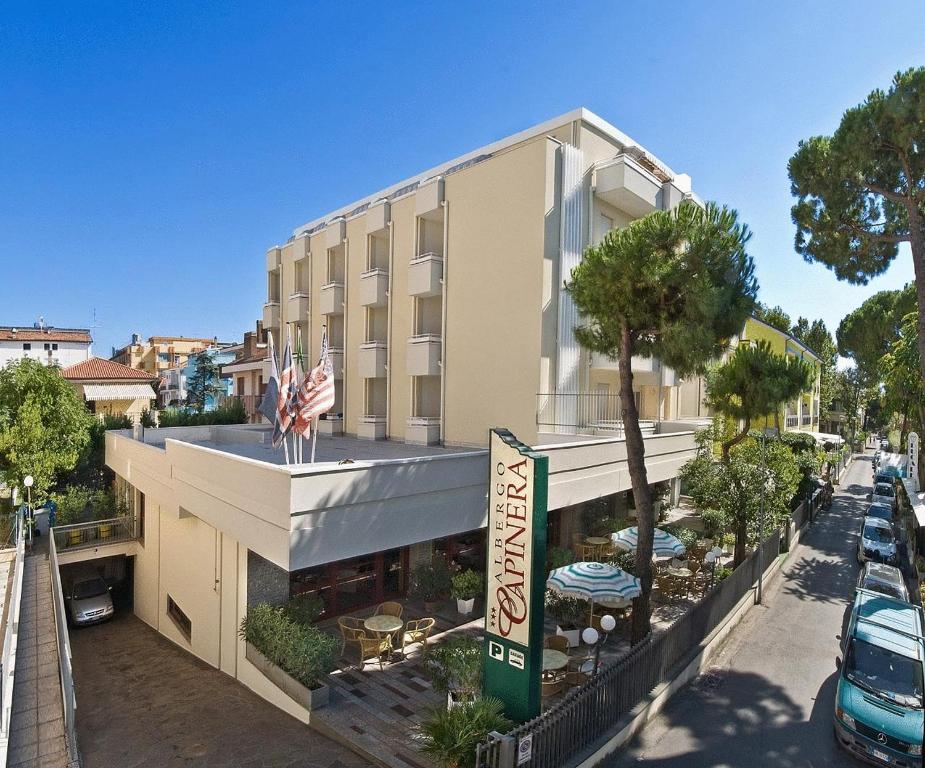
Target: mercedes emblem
(881, 737)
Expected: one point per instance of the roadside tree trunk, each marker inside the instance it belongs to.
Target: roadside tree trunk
(645, 517)
(741, 531)
(917, 245)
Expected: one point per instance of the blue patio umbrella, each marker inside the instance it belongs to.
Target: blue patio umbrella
(663, 544)
(594, 581)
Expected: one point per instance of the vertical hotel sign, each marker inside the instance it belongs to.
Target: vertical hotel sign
(516, 575)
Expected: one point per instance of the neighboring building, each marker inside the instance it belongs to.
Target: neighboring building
(250, 371)
(45, 343)
(443, 299)
(802, 414)
(112, 389)
(160, 353)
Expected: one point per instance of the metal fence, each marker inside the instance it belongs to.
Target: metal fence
(94, 534)
(587, 713)
(585, 412)
(11, 633)
(65, 668)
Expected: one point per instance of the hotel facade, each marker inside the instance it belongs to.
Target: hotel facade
(442, 297)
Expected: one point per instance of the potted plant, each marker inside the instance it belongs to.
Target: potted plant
(570, 613)
(430, 582)
(466, 586)
(450, 736)
(295, 657)
(455, 668)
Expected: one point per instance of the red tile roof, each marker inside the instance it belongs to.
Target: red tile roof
(45, 334)
(97, 369)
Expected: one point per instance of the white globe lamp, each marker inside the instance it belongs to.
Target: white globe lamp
(608, 623)
(28, 481)
(590, 635)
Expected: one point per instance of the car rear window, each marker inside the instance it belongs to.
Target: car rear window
(89, 588)
(890, 590)
(883, 489)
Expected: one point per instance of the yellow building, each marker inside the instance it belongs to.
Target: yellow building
(801, 415)
(159, 353)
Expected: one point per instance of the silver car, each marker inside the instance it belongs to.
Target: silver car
(88, 601)
(876, 542)
(884, 493)
(885, 579)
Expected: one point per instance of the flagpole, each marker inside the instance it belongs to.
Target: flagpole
(314, 438)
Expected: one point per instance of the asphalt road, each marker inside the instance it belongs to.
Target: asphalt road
(768, 698)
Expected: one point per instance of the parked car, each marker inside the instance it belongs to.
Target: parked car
(881, 476)
(884, 493)
(885, 579)
(879, 698)
(881, 510)
(87, 600)
(877, 542)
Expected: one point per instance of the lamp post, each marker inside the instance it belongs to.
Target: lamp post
(592, 637)
(28, 481)
(712, 557)
(765, 434)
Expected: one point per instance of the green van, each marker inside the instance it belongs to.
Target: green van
(878, 703)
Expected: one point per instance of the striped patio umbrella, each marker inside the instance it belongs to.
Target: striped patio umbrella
(594, 581)
(663, 544)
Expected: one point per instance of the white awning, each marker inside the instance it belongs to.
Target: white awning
(118, 392)
(825, 437)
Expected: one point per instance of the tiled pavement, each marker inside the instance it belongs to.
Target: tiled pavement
(37, 722)
(143, 702)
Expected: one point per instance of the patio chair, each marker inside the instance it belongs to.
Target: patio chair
(389, 608)
(556, 643)
(349, 627)
(417, 631)
(372, 646)
(552, 687)
(578, 541)
(589, 553)
(579, 671)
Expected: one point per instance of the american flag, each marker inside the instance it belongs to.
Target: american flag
(316, 394)
(286, 402)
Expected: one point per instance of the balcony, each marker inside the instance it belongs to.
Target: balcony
(425, 275)
(424, 353)
(791, 421)
(372, 359)
(298, 307)
(332, 426)
(332, 299)
(585, 413)
(271, 314)
(649, 369)
(807, 420)
(374, 288)
(274, 259)
(422, 430)
(371, 427)
(625, 184)
(428, 197)
(337, 361)
(378, 216)
(335, 232)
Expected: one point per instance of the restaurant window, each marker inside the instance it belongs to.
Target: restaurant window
(466, 550)
(351, 585)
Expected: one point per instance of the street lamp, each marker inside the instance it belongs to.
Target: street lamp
(592, 637)
(712, 557)
(28, 481)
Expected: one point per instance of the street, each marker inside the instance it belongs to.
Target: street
(768, 698)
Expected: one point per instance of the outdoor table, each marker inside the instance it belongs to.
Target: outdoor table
(383, 624)
(683, 573)
(597, 541)
(554, 660)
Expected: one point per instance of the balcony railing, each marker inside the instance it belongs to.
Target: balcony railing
(807, 419)
(94, 534)
(792, 420)
(586, 413)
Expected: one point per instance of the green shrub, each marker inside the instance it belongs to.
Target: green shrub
(304, 609)
(302, 651)
(77, 503)
(569, 612)
(450, 736)
(722, 572)
(230, 412)
(431, 581)
(626, 561)
(559, 557)
(455, 665)
(715, 523)
(467, 585)
(686, 536)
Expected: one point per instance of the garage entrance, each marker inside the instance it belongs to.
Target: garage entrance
(117, 571)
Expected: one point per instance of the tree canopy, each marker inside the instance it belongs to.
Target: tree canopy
(676, 285)
(754, 382)
(774, 316)
(866, 334)
(205, 383)
(44, 425)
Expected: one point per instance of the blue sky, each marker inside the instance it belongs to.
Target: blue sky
(151, 153)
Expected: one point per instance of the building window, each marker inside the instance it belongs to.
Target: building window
(26, 346)
(54, 346)
(140, 518)
(179, 618)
